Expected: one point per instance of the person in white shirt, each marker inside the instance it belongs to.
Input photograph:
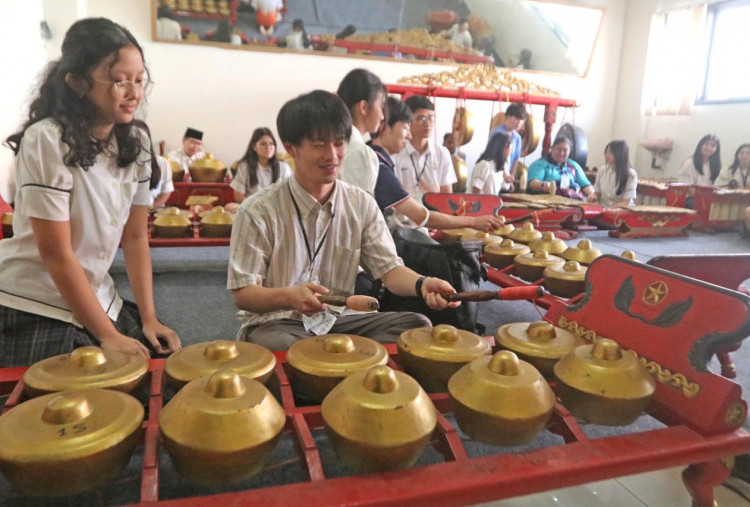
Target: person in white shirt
(83, 174)
(460, 35)
(167, 27)
(258, 168)
(491, 173)
(364, 94)
(704, 166)
(298, 39)
(736, 175)
(192, 142)
(617, 181)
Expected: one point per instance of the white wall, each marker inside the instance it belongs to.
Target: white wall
(23, 58)
(228, 93)
(729, 121)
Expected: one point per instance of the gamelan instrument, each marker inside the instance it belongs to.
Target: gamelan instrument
(720, 208)
(661, 193)
(644, 221)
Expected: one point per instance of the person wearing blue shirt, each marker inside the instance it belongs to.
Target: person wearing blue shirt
(557, 172)
(515, 115)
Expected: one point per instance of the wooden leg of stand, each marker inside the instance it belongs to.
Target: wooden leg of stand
(700, 479)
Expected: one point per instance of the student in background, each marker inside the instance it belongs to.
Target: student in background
(364, 94)
(83, 177)
(617, 181)
(704, 166)
(192, 142)
(298, 39)
(389, 193)
(259, 167)
(491, 173)
(515, 115)
(737, 175)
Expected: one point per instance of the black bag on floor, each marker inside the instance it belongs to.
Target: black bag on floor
(456, 263)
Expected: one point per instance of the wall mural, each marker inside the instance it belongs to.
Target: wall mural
(536, 35)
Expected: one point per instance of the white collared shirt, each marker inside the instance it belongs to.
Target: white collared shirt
(426, 172)
(97, 204)
(268, 248)
(484, 177)
(361, 166)
(165, 185)
(606, 186)
(241, 181)
(688, 174)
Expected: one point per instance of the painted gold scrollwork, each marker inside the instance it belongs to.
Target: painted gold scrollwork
(663, 375)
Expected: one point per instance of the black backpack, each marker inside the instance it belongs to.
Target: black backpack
(456, 263)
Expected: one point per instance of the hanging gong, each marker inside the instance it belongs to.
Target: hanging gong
(463, 125)
(579, 150)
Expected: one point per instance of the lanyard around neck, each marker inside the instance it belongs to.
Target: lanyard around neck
(311, 256)
(424, 166)
(744, 176)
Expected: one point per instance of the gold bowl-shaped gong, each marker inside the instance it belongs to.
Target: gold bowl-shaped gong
(433, 354)
(455, 235)
(565, 280)
(603, 384)
(501, 400)
(500, 255)
(178, 172)
(540, 343)
(583, 253)
(86, 368)
(525, 234)
(531, 266)
(318, 363)
(174, 210)
(7, 224)
(172, 223)
(628, 254)
(220, 429)
(70, 442)
(378, 419)
(216, 223)
(548, 242)
(201, 359)
(504, 228)
(463, 126)
(484, 237)
(207, 170)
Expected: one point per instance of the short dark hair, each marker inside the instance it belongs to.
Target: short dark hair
(516, 109)
(318, 115)
(562, 139)
(358, 85)
(394, 111)
(416, 102)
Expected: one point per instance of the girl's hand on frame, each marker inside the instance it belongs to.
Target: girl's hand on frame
(124, 343)
(155, 330)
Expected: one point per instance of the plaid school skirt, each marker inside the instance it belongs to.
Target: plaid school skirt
(26, 338)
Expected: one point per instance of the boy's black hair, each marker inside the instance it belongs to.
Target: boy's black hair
(416, 102)
(318, 115)
(516, 109)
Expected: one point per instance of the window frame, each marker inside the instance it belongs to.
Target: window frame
(711, 15)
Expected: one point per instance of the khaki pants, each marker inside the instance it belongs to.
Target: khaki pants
(384, 327)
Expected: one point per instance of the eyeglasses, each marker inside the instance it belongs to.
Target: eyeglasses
(126, 87)
(425, 119)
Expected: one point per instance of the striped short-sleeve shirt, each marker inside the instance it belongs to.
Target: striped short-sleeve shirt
(268, 246)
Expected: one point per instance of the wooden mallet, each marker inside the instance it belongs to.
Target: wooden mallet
(529, 293)
(358, 303)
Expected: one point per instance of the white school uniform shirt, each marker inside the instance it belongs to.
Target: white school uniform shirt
(168, 29)
(426, 172)
(689, 175)
(485, 177)
(606, 186)
(183, 158)
(97, 204)
(241, 181)
(361, 165)
(165, 185)
(294, 41)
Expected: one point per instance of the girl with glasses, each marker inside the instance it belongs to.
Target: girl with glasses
(83, 171)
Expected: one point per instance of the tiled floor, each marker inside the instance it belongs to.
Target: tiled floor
(663, 488)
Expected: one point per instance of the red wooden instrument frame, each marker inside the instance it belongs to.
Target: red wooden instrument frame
(646, 224)
(707, 197)
(699, 431)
